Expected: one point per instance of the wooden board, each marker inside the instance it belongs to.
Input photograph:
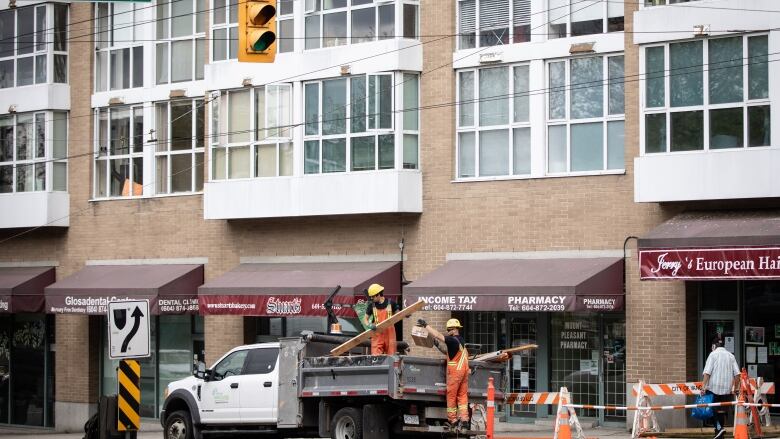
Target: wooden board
(360, 338)
(497, 354)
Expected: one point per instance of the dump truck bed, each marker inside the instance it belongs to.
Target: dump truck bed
(395, 376)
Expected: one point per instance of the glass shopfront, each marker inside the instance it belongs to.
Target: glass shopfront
(26, 370)
(746, 314)
(176, 340)
(585, 352)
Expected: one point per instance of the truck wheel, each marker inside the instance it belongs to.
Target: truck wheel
(347, 424)
(178, 426)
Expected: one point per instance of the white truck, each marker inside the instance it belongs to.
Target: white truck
(294, 389)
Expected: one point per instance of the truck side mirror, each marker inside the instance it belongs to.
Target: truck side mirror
(200, 370)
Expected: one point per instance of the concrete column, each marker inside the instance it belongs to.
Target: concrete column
(76, 369)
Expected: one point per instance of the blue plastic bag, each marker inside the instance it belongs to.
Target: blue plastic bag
(703, 413)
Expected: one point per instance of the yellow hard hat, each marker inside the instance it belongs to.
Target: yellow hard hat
(453, 323)
(375, 289)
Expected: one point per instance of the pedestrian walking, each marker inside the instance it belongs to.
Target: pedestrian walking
(721, 379)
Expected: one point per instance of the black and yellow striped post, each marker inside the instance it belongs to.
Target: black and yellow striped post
(129, 401)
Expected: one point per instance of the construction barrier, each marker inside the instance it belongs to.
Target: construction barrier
(491, 409)
(538, 398)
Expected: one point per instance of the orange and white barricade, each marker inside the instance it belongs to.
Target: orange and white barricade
(760, 391)
(645, 421)
(566, 417)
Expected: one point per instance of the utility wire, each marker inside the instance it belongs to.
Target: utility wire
(89, 206)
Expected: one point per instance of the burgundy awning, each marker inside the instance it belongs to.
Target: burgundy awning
(21, 288)
(565, 284)
(170, 288)
(295, 289)
(713, 245)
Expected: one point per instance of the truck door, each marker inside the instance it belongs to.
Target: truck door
(259, 387)
(220, 397)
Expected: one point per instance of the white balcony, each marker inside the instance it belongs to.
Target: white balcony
(666, 23)
(712, 175)
(35, 98)
(34, 209)
(370, 192)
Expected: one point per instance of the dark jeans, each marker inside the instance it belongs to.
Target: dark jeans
(720, 412)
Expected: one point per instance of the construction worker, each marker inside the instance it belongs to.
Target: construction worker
(378, 310)
(457, 372)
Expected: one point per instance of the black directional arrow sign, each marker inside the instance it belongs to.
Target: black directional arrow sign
(128, 329)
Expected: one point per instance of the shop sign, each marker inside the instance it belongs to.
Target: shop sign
(95, 305)
(719, 263)
(516, 303)
(275, 306)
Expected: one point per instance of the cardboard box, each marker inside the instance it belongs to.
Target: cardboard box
(422, 337)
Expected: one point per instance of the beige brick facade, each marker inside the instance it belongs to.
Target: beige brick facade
(570, 213)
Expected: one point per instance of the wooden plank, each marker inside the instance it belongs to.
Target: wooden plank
(365, 335)
(497, 354)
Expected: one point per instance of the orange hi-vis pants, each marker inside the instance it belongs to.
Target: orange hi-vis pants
(383, 342)
(458, 387)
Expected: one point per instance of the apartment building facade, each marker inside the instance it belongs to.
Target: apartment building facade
(499, 155)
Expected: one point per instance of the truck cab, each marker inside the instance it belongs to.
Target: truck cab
(241, 388)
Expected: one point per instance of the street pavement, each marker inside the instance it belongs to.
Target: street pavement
(153, 430)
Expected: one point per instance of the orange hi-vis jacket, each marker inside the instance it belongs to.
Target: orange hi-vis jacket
(458, 386)
(383, 342)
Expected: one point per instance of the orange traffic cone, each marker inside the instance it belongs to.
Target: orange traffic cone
(741, 421)
(562, 428)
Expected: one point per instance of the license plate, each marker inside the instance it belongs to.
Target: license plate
(412, 419)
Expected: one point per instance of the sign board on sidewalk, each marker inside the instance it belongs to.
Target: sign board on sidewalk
(128, 329)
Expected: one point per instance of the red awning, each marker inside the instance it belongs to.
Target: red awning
(566, 284)
(295, 289)
(21, 288)
(713, 245)
(169, 288)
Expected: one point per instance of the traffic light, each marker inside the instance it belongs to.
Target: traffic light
(257, 31)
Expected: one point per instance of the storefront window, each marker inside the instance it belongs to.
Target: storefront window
(762, 332)
(719, 296)
(271, 329)
(23, 350)
(574, 357)
(174, 342)
(523, 331)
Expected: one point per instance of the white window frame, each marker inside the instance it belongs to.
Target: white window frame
(229, 26)
(574, 7)
(568, 122)
(478, 27)
(348, 135)
(314, 8)
(705, 108)
(164, 145)
(104, 158)
(197, 39)
(48, 160)
(220, 140)
(42, 44)
(477, 129)
(284, 18)
(111, 47)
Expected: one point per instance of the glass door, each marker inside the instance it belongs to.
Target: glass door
(522, 366)
(719, 328)
(614, 366)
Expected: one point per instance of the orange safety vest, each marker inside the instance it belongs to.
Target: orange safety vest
(459, 361)
(389, 310)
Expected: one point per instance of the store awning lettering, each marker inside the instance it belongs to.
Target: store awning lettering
(522, 285)
(21, 288)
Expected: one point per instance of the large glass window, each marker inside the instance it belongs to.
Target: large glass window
(490, 22)
(33, 39)
(351, 123)
(181, 49)
(731, 111)
(252, 133)
(119, 166)
(180, 145)
(494, 133)
(224, 30)
(33, 146)
(285, 26)
(585, 119)
(26, 370)
(570, 18)
(119, 53)
(331, 23)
